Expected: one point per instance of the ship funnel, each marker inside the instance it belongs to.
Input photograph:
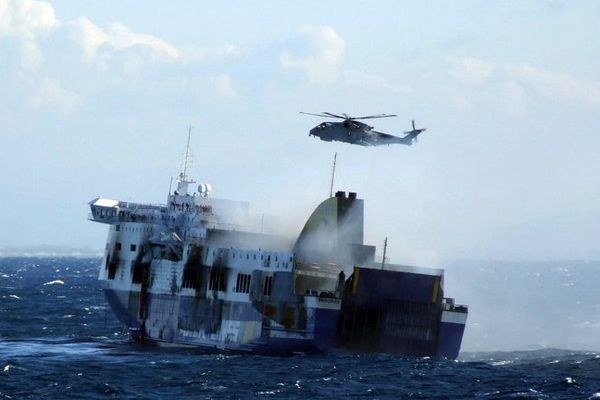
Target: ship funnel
(334, 233)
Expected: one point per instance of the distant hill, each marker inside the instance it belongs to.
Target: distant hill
(48, 251)
(557, 237)
(527, 305)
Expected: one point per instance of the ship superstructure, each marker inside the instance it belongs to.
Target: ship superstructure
(192, 272)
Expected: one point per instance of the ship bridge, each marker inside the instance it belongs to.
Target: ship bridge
(109, 211)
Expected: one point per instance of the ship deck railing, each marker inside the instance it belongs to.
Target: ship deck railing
(224, 226)
(325, 294)
(455, 307)
(141, 206)
(151, 216)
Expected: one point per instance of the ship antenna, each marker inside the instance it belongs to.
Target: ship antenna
(332, 175)
(182, 180)
(187, 152)
(384, 251)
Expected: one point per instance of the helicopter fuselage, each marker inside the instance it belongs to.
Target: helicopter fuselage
(354, 132)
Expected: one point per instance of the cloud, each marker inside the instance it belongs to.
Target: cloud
(226, 51)
(27, 20)
(366, 80)
(523, 79)
(90, 37)
(223, 85)
(515, 97)
(30, 20)
(460, 102)
(325, 57)
(557, 84)
(51, 94)
(469, 69)
(93, 40)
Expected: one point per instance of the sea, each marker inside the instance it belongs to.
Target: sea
(59, 340)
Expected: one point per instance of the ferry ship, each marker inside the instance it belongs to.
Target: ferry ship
(188, 273)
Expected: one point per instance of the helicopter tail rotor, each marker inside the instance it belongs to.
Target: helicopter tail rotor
(414, 130)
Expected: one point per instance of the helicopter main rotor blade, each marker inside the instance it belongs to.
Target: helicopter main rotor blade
(376, 116)
(346, 116)
(336, 116)
(317, 115)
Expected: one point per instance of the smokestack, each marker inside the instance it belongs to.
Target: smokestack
(352, 195)
(340, 194)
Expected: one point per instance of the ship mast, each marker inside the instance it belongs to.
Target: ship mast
(332, 175)
(384, 251)
(187, 152)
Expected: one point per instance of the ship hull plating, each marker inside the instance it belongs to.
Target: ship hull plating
(236, 327)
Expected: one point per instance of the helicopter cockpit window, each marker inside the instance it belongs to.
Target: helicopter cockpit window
(322, 126)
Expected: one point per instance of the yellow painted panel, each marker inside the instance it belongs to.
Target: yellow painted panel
(248, 332)
(355, 279)
(436, 289)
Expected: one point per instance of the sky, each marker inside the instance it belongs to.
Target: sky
(96, 98)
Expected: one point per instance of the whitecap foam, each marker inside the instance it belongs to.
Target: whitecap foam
(502, 362)
(56, 282)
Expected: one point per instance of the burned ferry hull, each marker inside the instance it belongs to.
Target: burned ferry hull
(180, 274)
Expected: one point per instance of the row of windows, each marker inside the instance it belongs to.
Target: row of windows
(132, 247)
(206, 252)
(262, 257)
(217, 281)
(139, 229)
(243, 283)
(268, 286)
(100, 212)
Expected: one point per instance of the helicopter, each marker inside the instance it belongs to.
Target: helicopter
(353, 131)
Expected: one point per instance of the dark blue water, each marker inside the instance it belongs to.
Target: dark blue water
(58, 340)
